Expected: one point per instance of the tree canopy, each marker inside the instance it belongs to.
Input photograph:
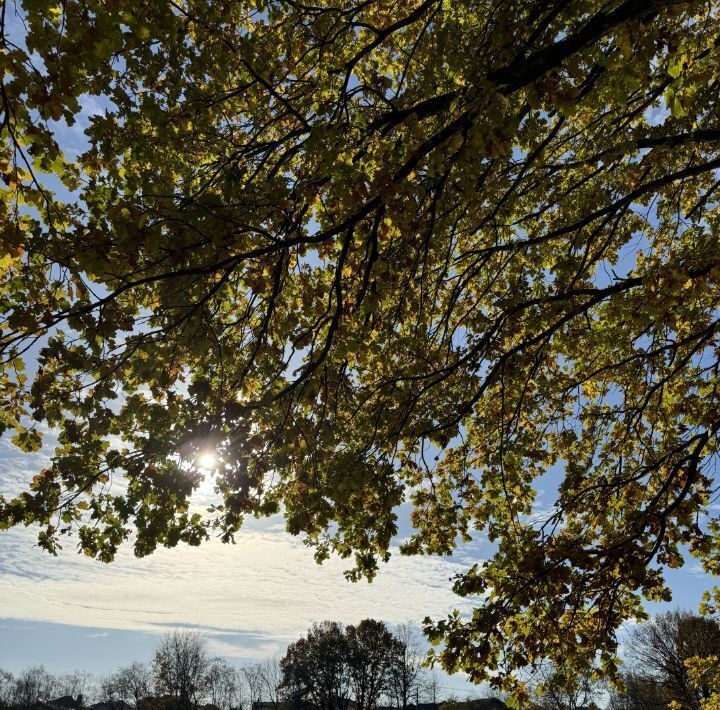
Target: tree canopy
(336, 667)
(367, 252)
(673, 663)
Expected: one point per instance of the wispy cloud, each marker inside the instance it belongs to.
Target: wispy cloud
(267, 583)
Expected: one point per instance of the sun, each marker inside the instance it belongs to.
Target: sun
(207, 460)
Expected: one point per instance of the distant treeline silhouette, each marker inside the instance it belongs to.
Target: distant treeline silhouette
(333, 667)
(365, 667)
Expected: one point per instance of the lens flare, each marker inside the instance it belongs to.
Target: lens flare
(207, 460)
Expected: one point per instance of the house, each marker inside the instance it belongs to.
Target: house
(477, 704)
(66, 702)
(111, 705)
(164, 702)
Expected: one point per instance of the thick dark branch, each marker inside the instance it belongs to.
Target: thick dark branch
(524, 70)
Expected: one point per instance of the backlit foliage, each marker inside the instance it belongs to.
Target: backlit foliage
(370, 251)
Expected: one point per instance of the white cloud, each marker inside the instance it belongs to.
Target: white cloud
(268, 583)
(250, 599)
